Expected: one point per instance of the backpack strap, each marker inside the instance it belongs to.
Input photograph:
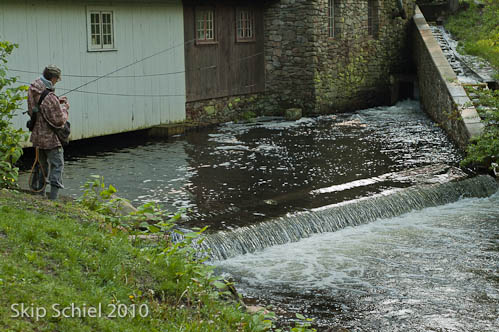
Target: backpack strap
(42, 97)
(32, 121)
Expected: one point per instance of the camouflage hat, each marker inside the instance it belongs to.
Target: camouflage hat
(53, 69)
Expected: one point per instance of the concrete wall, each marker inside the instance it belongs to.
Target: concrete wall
(442, 96)
(55, 32)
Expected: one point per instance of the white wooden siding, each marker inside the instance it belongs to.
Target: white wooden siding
(55, 32)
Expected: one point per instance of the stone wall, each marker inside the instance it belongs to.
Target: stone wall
(307, 68)
(290, 53)
(205, 112)
(442, 96)
(354, 68)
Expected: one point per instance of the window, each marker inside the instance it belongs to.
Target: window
(205, 25)
(334, 18)
(372, 18)
(100, 30)
(245, 25)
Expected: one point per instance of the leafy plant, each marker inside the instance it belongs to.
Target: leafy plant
(485, 148)
(186, 277)
(10, 138)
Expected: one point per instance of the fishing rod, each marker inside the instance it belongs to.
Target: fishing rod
(129, 65)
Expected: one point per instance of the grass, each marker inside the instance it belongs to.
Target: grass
(60, 253)
(477, 29)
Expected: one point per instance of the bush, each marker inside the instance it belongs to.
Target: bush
(10, 138)
(485, 148)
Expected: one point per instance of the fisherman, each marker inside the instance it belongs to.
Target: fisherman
(53, 110)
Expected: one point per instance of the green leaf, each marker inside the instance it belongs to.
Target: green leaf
(154, 229)
(300, 316)
(112, 189)
(191, 235)
(219, 284)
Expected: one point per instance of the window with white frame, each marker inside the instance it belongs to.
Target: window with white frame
(334, 18)
(245, 24)
(205, 24)
(100, 30)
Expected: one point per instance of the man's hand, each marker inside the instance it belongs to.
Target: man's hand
(64, 101)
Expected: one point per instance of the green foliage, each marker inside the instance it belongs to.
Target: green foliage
(95, 192)
(185, 278)
(248, 116)
(49, 257)
(478, 30)
(10, 138)
(485, 148)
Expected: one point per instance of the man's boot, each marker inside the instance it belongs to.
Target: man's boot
(54, 192)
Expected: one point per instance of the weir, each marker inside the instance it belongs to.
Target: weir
(223, 245)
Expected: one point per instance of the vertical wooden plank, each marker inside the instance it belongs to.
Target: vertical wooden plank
(128, 105)
(71, 62)
(239, 69)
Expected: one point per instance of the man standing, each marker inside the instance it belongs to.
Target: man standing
(53, 110)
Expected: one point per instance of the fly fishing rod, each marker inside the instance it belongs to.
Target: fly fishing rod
(127, 66)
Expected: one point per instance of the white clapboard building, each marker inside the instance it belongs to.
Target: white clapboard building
(142, 40)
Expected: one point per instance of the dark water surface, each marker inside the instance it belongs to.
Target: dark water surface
(239, 174)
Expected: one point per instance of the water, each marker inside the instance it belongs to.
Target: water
(240, 174)
(430, 270)
(331, 218)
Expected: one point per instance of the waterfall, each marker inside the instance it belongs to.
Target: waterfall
(282, 230)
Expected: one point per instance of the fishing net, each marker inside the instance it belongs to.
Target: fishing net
(37, 177)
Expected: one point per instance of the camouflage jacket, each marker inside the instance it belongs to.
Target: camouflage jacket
(56, 113)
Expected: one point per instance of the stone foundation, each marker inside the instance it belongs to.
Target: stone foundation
(224, 109)
(307, 68)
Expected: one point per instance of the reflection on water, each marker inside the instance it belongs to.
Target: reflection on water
(431, 270)
(239, 174)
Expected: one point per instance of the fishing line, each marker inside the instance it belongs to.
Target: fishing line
(129, 65)
(145, 75)
(143, 95)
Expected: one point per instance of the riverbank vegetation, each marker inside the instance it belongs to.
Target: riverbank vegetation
(476, 26)
(64, 255)
(477, 29)
(10, 138)
(485, 148)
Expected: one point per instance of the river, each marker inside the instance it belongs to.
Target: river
(429, 269)
(239, 174)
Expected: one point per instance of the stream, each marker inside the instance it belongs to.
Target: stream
(402, 257)
(239, 174)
